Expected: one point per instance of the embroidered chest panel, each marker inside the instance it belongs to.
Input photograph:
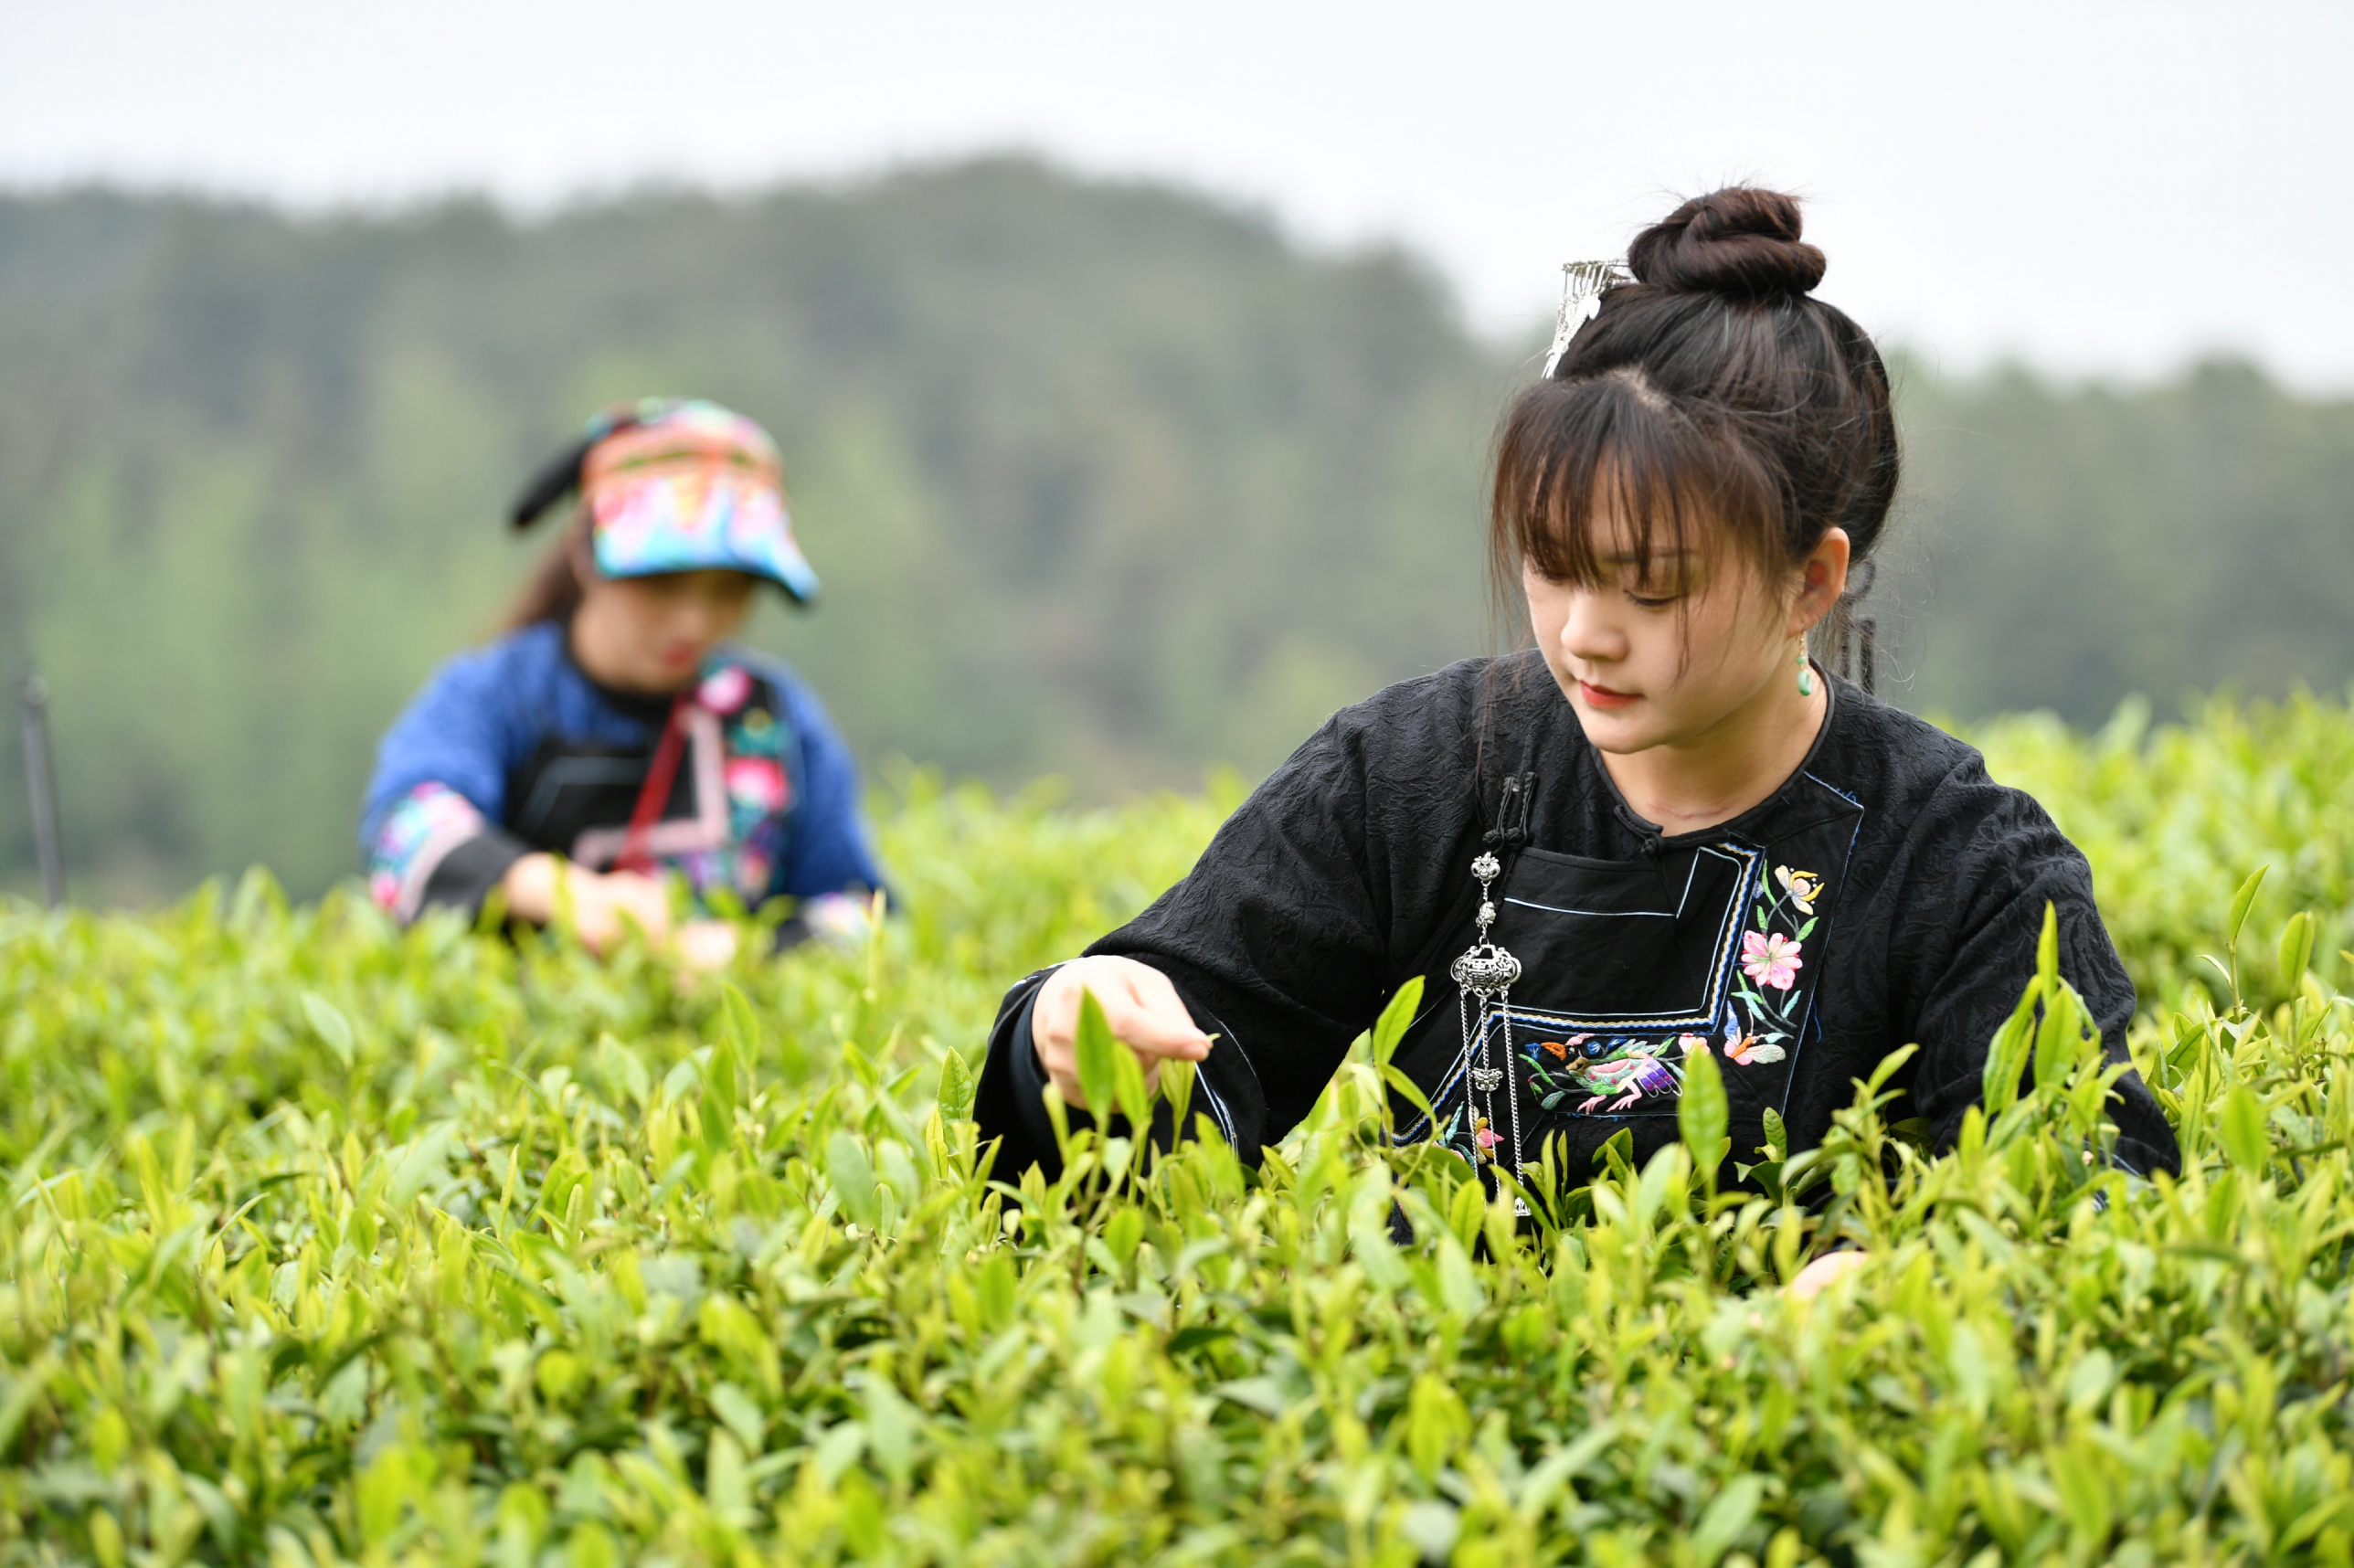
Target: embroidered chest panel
(730, 810)
(1628, 970)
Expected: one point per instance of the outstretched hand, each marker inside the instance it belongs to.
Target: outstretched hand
(1140, 1004)
(603, 904)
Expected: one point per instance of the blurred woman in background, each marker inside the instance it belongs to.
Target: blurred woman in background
(612, 739)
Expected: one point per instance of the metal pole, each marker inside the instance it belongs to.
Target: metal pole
(41, 787)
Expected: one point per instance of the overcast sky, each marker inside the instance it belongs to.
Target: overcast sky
(2102, 189)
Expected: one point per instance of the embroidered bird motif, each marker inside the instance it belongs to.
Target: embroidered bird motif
(1629, 1077)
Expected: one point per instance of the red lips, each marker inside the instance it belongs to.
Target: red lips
(1603, 696)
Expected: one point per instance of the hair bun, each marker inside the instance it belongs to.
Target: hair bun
(1739, 241)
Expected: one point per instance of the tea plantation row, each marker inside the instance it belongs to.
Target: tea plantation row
(329, 1244)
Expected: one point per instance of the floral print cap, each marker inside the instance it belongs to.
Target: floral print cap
(696, 487)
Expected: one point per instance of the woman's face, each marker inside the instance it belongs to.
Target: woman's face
(652, 634)
(1644, 669)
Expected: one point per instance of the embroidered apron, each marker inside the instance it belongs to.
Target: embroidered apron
(1715, 941)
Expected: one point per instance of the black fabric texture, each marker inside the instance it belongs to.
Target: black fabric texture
(1348, 871)
(567, 786)
(1030, 1079)
(466, 875)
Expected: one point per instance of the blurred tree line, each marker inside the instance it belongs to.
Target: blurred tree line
(1105, 481)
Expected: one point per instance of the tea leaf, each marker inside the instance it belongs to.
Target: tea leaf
(1727, 1515)
(1701, 1114)
(2295, 947)
(1396, 1019)
(955, 1094)
(1096, 1049)
(328, 1022)
(2242, 902)
(2243, 1129)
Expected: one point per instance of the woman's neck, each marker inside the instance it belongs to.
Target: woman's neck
(1696, 782)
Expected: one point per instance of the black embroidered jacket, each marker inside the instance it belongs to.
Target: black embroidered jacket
(1888, 893)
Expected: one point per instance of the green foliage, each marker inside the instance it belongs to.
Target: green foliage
(330, 1243)
(2094, 542)
(2257, 798)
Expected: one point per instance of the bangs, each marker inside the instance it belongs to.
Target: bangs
(1596, 475)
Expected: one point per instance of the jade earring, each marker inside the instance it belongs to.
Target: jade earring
(1805, 674)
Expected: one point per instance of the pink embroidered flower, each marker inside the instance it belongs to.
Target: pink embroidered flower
(725, 689)
(1770, 960)
(756, 783)
(1485, 1139)
(1693, 1044)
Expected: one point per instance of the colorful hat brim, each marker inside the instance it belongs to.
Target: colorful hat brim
(673, 523)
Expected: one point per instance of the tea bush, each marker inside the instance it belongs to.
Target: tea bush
(328, 1243)
(2174, 817)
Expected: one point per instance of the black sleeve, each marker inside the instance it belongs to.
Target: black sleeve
(998, 1108)
(465, 876)
(1009, 1103)
(2001, 860)
(1281, 940)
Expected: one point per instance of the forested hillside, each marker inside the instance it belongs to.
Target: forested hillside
(2082, 546)
(1109, 481)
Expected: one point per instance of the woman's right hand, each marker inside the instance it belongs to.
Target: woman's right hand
(604, 904)
(1143, 1009)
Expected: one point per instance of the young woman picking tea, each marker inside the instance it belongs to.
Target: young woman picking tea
(1663, 831)
(614, 739)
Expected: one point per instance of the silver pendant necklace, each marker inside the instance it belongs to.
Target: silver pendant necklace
(1485, 972)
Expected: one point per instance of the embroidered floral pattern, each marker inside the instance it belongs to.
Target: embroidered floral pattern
(756, 783)
(1801, 886)
(726, 689)
(1765, 1009)
(418, 833)
(1770, 959)
(1611, 1075)
(1744, 1049)
(756, 735)
(1755, 1026)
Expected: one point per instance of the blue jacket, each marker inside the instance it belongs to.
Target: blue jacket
(511, 749)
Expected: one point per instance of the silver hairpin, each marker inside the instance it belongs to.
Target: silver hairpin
(1583, 284)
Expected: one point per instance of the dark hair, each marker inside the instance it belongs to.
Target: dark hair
(554, 590)
(1711, 393)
